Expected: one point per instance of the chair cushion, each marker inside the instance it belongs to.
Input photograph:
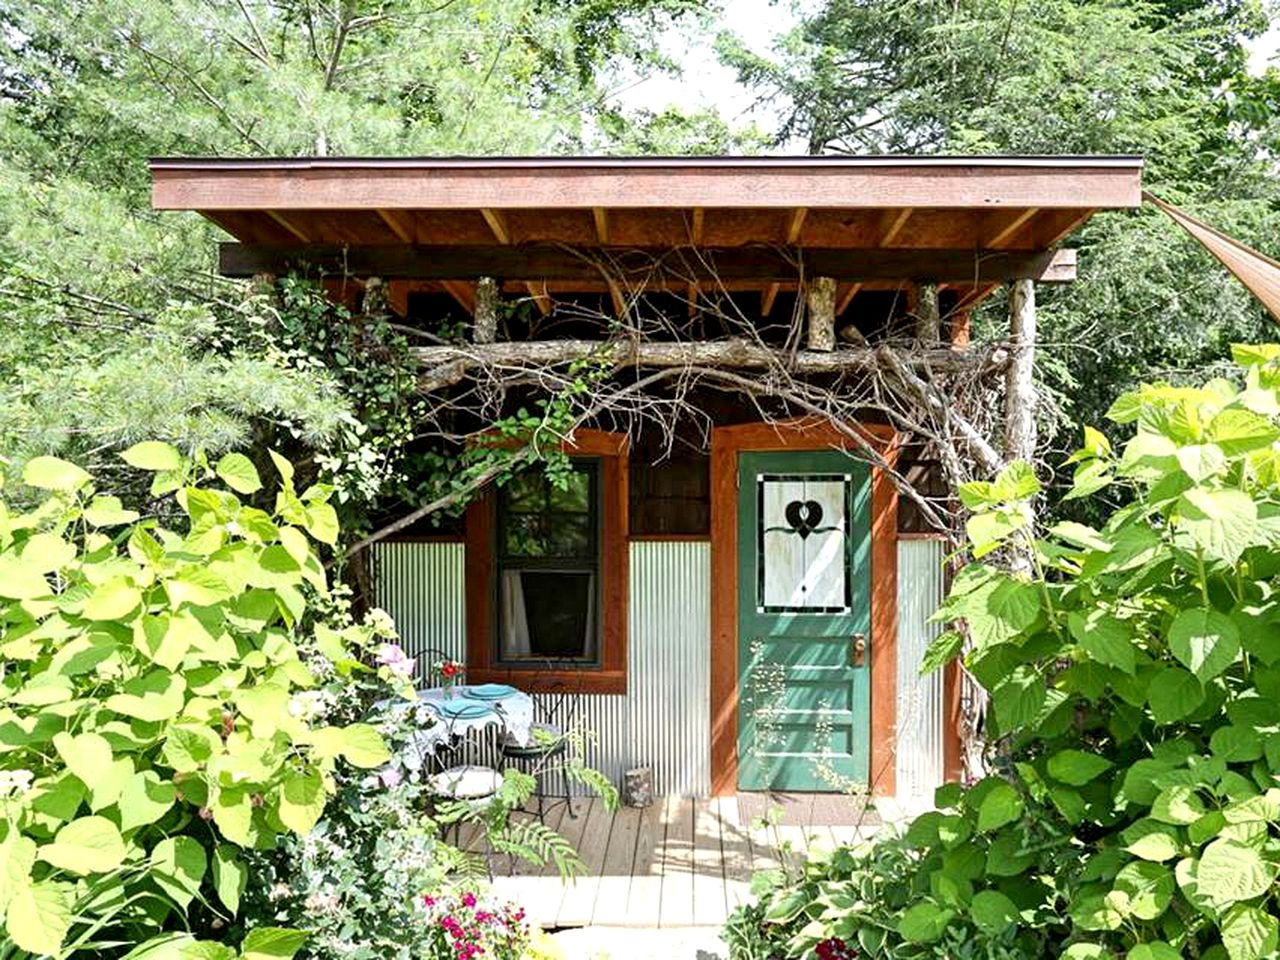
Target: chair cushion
(467, 782)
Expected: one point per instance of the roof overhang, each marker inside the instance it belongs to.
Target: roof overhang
(870, 222)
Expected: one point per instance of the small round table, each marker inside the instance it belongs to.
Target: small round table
(514, 713)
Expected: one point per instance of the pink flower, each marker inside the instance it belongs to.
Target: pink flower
(390, 777)
(393, 657)
(468, 899)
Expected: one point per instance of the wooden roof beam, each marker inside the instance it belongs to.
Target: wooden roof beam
(766, 265)
(498, 224)
(795, 223)
(293, 228)
(601, 217)
(770, 295)
(999, 228)
(893, 221)
(401, 224)
(697, 223)
(846, 298)
(463, 292)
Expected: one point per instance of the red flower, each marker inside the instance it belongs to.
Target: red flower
(449, 669)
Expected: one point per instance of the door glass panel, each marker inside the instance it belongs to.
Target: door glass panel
(803, 554)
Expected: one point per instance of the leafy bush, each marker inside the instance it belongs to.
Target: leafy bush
(150, 728)
(1134, 680)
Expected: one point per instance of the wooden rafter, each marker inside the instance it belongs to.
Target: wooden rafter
(795, 223)
(463, 292)
(846, 297)
(548, 262)
(601, 217)
(293, 228)
(770, 295)
(498, 224)
(697, 222)
(400, 223)
(894, 221)
(1005, 225)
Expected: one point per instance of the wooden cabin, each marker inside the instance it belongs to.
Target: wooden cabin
(743, 589)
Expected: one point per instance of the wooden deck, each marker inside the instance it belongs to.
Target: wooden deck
(679, 863)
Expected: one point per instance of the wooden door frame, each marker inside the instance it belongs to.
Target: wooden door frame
(809, 433)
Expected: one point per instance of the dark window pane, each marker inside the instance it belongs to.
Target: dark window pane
(576, 497)
(548, 614)
(525, 493)
(568, 536)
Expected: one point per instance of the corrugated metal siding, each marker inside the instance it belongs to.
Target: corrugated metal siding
(421, 586)
(921, 587)
(663, 722)
(670, 664)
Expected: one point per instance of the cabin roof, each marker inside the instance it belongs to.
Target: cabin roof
(865, 220)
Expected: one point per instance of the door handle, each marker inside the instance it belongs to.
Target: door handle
(859, 649)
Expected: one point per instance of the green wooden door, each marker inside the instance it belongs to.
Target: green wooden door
(804, 620)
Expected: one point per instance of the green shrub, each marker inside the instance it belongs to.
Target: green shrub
(1134, 680)
(149, 730)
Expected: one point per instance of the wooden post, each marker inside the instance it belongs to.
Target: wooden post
(486, 312)
(928, 319)
(821, 297)
(1020, 393)
(1020, 390)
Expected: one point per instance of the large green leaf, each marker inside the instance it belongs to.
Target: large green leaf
(1002, 804)
(86, 755)
(1147, 889)
(40, 915)
(992, 912)
(1249, 933)
(50, 473)
(145, 799)
(359, 743)
(230, 876)
(17, 857)
(238, 472)
(271, 943)
(1077, 767)
(1206, 642)
(924, 923)
(84, 846)
(112, 600)
(178, 866)
(1174, 693)
(1230, 872)
(1104, 638)
(302, 801)
(153, 455)
(1222, 522)
(1237, 431)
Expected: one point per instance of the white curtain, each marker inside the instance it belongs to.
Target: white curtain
(515, 625)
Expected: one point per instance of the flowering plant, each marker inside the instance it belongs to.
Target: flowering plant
(450, 671)
(466, 927)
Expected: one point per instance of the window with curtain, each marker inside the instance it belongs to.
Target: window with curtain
(548, 566)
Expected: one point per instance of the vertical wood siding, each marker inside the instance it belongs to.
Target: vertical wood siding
(921, 588)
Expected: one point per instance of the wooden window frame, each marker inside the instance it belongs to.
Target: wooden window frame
(481, 580)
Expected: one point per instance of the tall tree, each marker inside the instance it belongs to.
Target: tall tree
(1166, 79)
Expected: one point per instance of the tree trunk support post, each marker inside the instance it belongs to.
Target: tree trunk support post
(821, 297)
(486, 315)
(1020, 390)
(928, 317)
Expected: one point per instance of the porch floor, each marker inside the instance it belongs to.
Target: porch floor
(681, 862)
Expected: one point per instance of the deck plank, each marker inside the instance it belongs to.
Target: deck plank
(574, 829)
(709, 897)
(735, 848)
(579, 902)
(536, 888)
(676, 908)
(615, 876)
(644, 894)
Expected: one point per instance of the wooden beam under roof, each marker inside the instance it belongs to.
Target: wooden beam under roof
(770, 295)
(846, 298)
(337, 183)
(533, 262)
(401, 224)
(498, 224)
(796, 223)
(601, 217)
(696, 226)
(1002, 226)
(293, 228)
(893, 222)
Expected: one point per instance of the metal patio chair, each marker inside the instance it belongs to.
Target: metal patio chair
(555, 710)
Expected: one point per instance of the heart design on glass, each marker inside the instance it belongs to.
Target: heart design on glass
(804, 516)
